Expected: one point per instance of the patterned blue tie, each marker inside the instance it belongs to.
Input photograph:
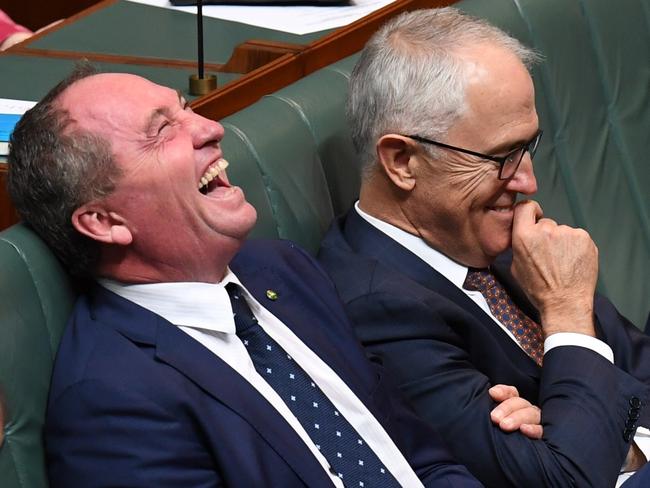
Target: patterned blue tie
(347, 453)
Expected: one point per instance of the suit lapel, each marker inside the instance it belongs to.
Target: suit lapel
(214, 376)
(370, 241)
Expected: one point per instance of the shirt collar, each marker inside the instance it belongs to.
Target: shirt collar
(191, 304)
(450, 269)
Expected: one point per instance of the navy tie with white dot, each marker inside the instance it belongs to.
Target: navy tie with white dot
(350, 458)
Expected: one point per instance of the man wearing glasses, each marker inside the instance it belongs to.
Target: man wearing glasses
(455, 287)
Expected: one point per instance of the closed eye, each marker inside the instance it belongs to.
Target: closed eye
(163, 127)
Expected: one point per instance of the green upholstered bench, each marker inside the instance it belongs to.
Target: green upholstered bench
(292, 154)
(35, 301)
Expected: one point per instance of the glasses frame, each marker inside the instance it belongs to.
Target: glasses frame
(530, 147)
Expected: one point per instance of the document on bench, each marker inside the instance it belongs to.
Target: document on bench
(295, 20)
(10, 113)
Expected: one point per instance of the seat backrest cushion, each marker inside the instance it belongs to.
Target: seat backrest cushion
(293, 157)
(36, 299)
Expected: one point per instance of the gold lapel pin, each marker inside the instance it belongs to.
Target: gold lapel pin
(271, 295)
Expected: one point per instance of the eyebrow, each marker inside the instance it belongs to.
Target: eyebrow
(159, 112)
(181, 99)
(510, 145)
(154, 117)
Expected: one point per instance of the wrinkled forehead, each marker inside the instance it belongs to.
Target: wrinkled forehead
(112, 100)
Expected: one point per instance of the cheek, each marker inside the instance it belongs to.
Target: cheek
(493, 234)
(468, 179)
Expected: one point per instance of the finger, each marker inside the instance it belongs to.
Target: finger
(499, 393)
(510, 407)
(532, 431)
(549, 222)
(529, 415)
(527, 213)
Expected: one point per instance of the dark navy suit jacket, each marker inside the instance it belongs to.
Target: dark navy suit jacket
(136, 402)
(446, 352)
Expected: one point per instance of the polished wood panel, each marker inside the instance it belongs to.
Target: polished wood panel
(93, 7)
(254, 54)
(245, 58)
(8, 215)
(35, 14)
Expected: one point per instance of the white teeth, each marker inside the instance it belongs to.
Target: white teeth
(212, 172)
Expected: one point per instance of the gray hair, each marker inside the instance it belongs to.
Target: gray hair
(53, 170)
(411, 78)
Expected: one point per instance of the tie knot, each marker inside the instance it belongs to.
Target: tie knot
(244, 318)
(479, 280)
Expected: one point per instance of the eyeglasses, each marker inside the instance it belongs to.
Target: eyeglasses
(508, 164)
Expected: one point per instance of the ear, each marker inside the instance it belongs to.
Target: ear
(396, 156)
(101, 225)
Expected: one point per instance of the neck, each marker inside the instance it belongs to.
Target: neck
(379, 198)
(127, 267)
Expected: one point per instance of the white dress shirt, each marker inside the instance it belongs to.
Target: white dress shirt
(203, 311)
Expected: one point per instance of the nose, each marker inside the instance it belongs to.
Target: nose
(524, 180)
(205, 131)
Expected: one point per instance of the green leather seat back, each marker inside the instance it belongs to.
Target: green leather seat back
(294, 141)
(290, 170)
(318, 102)
(36, 299)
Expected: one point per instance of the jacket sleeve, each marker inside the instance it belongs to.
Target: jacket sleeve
(584, 399)
(101, 436)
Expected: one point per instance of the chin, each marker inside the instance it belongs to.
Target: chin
(496, 248)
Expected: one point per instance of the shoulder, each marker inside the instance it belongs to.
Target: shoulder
(99, 347)
(274, 255)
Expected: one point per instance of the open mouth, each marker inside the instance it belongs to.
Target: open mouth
(211, 178)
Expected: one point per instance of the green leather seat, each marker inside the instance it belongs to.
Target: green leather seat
(292, 154)
(36, 299)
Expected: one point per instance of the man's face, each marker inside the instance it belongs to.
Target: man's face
(458, 204)
(164, 150)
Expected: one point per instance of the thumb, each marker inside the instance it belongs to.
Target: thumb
(527, 213)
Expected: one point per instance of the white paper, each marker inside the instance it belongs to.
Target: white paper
(296, 20)
(15, 107)
(12, 107)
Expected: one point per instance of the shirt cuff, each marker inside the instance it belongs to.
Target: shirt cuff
(581, 340)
